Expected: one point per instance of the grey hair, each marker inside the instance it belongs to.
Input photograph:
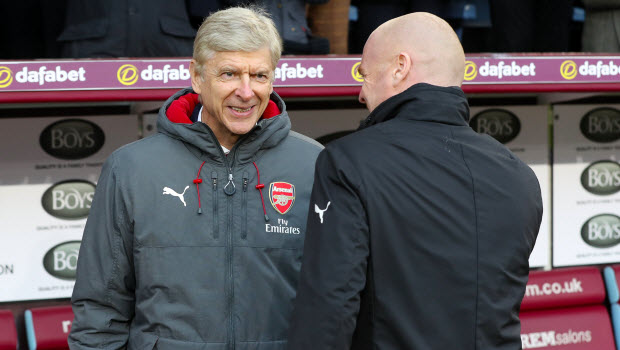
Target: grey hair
(245, 29)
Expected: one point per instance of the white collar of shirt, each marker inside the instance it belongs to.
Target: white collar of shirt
(226, 150)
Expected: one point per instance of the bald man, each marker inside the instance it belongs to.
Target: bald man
(420, 229)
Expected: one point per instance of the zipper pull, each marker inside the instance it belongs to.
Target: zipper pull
(214, 178)
(230, 190)
(245, 184)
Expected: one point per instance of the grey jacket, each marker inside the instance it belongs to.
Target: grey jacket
(154, 273)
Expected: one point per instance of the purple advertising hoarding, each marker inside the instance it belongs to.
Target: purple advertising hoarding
(155, 74)
(530, 70)
(117, 74)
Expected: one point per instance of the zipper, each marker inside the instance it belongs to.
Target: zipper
(216, 222)
(229, 190)
(231, 343)
(244, 207)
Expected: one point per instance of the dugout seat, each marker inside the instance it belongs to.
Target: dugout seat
(564, 309)
(48, 327)
(8, 332)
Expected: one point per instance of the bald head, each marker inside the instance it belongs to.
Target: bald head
(431, 43)
(415, 48)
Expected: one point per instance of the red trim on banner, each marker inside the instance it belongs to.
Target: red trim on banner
(333, 91)
(575, 328)
(540, 88)
(563, 287)
(8, 336)
(52, 326)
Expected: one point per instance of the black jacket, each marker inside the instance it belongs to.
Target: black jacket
(426, 237)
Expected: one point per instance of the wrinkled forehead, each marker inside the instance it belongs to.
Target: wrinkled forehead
(256, 59)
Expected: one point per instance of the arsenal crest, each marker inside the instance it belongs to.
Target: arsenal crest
(282, 196)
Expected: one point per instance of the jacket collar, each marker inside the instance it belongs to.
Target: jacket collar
(200, 139)
(423, 102)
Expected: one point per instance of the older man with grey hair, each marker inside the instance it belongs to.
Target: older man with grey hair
(180, 250)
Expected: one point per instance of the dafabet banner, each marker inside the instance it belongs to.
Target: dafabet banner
(114, 74)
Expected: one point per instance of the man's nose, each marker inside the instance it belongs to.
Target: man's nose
(244, 90)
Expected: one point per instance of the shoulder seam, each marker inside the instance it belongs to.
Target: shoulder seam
(305, 139)
(476, 220)
(116, 245)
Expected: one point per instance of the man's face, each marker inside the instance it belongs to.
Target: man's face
(234, 90)
(377, 83)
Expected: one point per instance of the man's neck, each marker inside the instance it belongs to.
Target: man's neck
(224, 137)
(227, 142)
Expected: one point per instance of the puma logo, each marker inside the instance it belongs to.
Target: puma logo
(321, 211)
(170, 191)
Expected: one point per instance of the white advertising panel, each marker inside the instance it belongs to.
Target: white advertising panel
(586, 185)
(48, 171)
(523, 129)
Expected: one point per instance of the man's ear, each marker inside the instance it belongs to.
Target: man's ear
(403, 68)
(196, 78)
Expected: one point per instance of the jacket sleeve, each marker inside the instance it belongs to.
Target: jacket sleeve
(103, 295)
(336, 249)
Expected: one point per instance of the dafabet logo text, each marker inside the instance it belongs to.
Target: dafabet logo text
(41, 76)
(128, 74)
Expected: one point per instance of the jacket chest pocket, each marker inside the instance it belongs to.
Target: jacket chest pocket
(214, 205)
(244, 206)
(182, 215)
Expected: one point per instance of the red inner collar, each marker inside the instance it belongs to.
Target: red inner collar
(182, 108)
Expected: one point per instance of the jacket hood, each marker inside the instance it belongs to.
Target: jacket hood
(174, 121)
(424, 102)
